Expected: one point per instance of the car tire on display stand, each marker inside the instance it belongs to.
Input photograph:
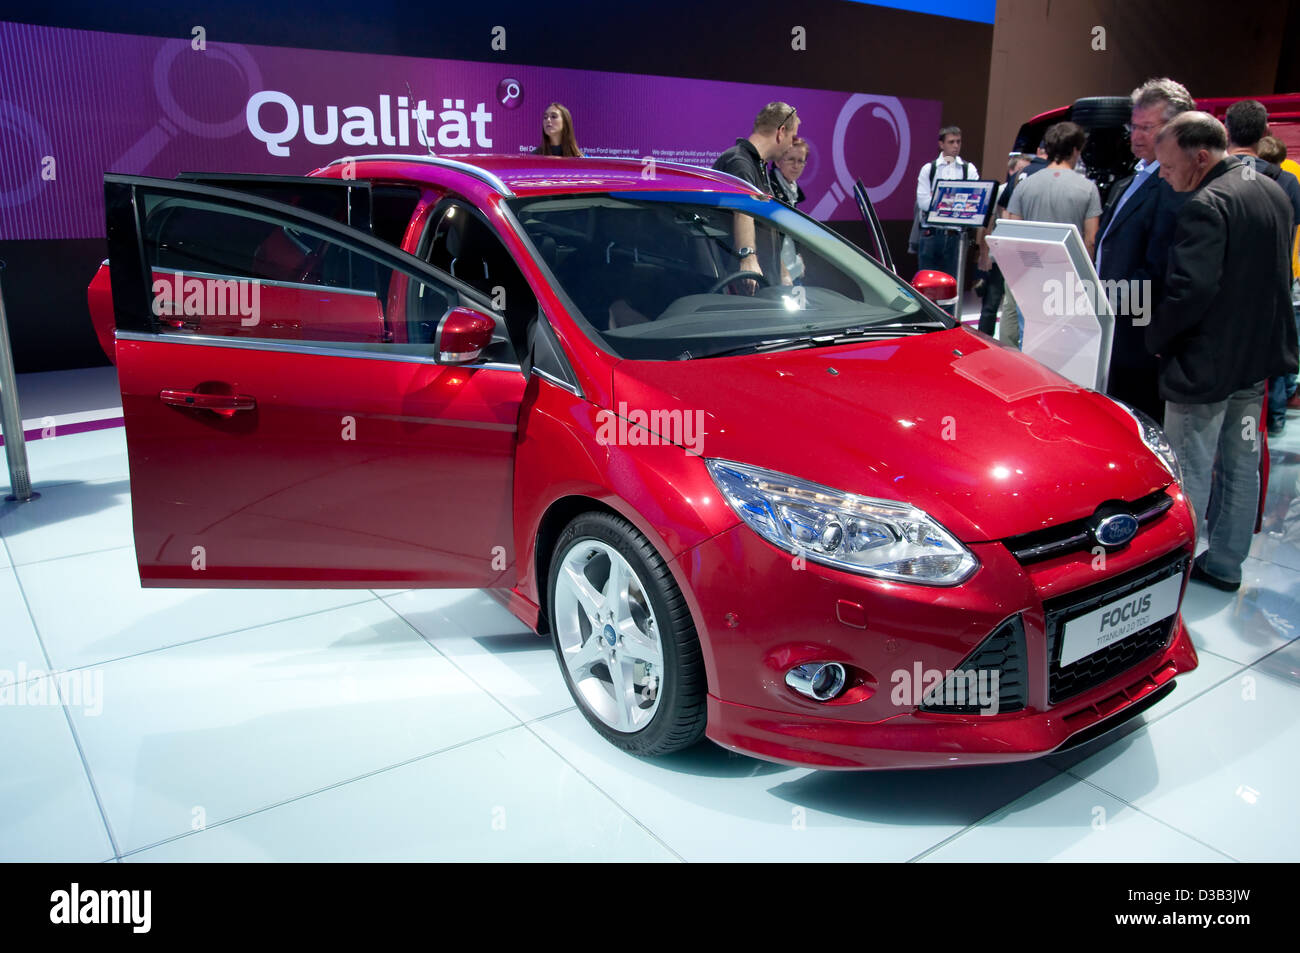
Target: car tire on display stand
(624, 637)
(1106, 157)
(1101, 112)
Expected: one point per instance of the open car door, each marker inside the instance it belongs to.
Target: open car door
(288, 420)
(868, 211)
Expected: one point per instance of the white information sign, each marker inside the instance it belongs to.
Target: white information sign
(1068, 321)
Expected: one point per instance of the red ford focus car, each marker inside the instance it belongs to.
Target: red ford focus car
(816, 522)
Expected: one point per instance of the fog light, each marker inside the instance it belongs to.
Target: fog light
(820, 681)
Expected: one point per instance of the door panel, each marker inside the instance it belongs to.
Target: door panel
(207, 303)
(349, 472)
(303, 448)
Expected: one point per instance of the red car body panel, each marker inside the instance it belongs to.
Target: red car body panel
(466, 474)
(940, 741)
(918, 418)
(280, 497)
(99, 300)
(759, 618)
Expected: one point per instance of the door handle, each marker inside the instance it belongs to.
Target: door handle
(227, 405)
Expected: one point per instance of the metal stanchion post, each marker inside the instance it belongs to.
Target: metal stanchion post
(962, 239)
(11, 421)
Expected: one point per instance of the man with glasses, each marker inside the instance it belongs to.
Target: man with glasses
(1136, 232)
(775, 128)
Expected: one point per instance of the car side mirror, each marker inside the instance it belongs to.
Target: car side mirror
(939, 287)
(463, 335)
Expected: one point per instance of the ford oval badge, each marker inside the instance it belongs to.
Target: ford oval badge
(1115, 530)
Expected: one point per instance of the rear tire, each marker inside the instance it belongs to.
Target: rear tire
(1101, 112)
(624, 637)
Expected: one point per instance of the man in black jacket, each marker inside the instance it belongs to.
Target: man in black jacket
(775, 127)
(1135, 232)
(1224, 327)
(1247, 124)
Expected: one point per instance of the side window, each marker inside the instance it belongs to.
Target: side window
(547, 353)
(391, 209)
(461, 244)
(218, 270)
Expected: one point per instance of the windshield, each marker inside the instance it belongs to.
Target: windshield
(659, 275)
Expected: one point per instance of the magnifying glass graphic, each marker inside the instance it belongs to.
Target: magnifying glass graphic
(138, 157)
(21, 128)
(891, 111)
(509, 93)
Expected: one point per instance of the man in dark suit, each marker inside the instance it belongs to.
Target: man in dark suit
(1224, 327)
(1136, 230)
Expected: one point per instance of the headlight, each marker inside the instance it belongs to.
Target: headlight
(1154, 437)
(872, 537)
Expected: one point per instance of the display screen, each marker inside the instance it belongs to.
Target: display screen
(964, 202)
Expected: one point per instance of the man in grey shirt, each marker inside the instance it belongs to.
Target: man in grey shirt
(1058, 193)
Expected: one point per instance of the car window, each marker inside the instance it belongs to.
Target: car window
(460, 243)
(391, 209)
(657, 276)
(220, 270)
(346, 201)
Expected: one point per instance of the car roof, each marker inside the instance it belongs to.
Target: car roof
(549, 175)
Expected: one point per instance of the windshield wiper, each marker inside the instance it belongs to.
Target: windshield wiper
(844, 336)
(754, 347)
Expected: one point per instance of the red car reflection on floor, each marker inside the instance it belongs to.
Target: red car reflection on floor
(816, 522)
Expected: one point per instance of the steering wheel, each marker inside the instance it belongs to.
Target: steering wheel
(736, 276)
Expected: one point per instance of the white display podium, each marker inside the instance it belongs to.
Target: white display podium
(1068, 322)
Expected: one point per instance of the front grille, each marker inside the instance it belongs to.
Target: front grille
(1002, 652)
(1104, 664)
(1075, 535)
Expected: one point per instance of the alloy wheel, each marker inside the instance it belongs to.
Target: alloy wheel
(608, 635)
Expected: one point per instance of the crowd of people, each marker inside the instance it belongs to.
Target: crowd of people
(1208, 221)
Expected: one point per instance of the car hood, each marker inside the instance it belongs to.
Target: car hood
(984, 439)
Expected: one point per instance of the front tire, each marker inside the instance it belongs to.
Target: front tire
(624, 637)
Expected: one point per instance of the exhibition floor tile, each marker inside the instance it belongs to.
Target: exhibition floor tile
(47, 807)
(509, 661)
(91, 609)
(1279, 539)
(78, 458)
(62, 394)
(19, 647)
(708, 804)
(68, 519)
(506, 797)
(1246, 625)
(1064, 820)
(1222, 768)
(210, 731)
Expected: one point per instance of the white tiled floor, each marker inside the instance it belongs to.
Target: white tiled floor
(379, 725)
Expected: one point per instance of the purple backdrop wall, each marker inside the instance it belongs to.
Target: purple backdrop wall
(75, 104)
